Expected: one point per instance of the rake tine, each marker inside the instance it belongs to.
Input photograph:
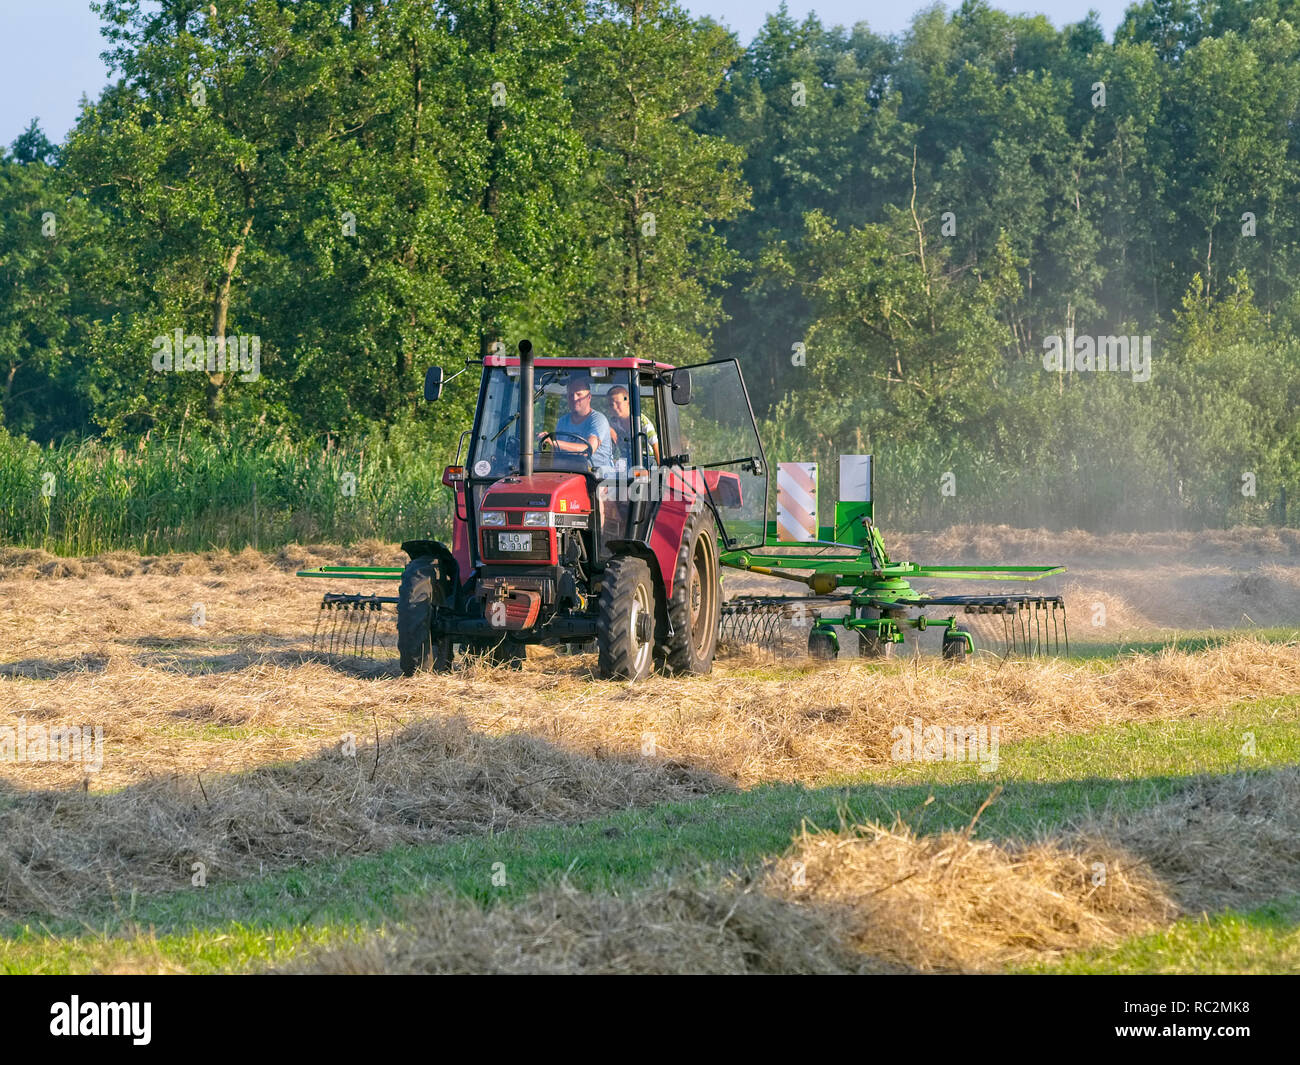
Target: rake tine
(372, 628)
(362, 624)
(358, 626)
(315, 636)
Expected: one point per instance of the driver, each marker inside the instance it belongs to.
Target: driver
(582, 427)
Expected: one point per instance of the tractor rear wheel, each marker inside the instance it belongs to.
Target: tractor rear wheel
(625, 625)
(419, 592)
(695, 607)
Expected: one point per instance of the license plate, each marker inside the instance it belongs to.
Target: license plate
(515, 541)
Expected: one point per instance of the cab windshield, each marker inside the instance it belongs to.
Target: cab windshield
(582, 420)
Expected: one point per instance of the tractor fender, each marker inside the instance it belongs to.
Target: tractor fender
(448, 571)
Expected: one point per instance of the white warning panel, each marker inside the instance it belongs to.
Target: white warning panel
(855, 478)
(796, 502)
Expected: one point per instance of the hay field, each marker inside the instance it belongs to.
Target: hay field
(227, 741)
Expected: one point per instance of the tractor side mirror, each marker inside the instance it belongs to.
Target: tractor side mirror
(681, 387)
(433, 383)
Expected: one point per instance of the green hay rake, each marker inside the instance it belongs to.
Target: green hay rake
(848, 567)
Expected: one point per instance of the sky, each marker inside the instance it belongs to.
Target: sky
(49, 49)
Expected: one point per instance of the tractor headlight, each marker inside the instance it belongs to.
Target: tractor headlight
(492, 517)
(537, 517)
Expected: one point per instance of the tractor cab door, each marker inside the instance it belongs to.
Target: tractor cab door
(714, 433)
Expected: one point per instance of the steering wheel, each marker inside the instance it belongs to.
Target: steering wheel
(586, 451)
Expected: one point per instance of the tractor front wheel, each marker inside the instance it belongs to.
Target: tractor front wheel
(625, 635)
(419, 592)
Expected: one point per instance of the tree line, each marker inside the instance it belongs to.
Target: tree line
(893, 235)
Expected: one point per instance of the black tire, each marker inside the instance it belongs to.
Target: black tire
(627, 593)
(508, 653)
(872, 646)
(954, 648)
(419, 592)
(823, 645)
(695, 607)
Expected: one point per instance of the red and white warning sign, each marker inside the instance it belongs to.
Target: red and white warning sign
(796, 502)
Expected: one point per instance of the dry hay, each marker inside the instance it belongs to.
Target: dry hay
(242, 693)
(25, 563)
(428, 783)
(953, 903)
(868, 898)
(743, 722)
(1222, 842)
(243, 690)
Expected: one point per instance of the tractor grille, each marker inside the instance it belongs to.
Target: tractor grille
(538, 551)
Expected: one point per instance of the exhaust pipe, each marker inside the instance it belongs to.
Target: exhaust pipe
(525, 408)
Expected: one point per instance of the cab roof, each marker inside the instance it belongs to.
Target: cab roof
(580, 363)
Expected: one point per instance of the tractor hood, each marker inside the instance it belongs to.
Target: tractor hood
(560, 491)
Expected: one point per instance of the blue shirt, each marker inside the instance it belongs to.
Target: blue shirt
(594, 424)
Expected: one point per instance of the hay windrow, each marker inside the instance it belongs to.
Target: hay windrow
(429, 783)
(1222, 842)
(953, 903)
(242, 690)
(870, 898)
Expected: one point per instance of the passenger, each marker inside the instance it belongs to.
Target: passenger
(620, 423)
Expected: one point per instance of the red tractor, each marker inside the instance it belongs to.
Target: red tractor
(591, 507)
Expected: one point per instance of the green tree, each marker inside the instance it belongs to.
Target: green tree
(655, 188)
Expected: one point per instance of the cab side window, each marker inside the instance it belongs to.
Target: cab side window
(650, 425)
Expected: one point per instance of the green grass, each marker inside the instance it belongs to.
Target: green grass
(1262, 940)
(163, 494)
(1047, 783)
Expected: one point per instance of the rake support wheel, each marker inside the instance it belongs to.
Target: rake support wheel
(418, 594)
(954, 647)
(823, 644)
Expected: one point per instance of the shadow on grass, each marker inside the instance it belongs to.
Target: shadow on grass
(49, 668)
(706, 837)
